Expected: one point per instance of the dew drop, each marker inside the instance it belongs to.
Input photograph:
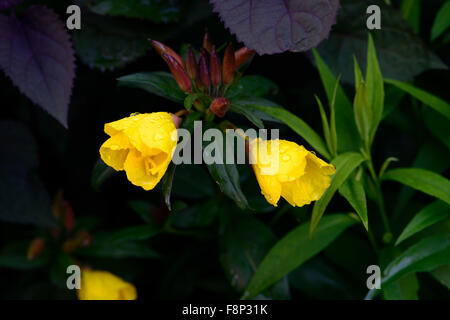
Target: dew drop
(286, 158)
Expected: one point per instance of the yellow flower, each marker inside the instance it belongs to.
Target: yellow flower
(142, 145)
(285, 169)
(103, 285)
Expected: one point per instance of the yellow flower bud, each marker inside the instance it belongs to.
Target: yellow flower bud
(103, 285)
(285, 169)
(142, 145)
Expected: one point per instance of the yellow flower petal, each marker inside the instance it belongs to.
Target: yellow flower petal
(103, 285)
(115, 150)
(139, 170)
(270, 186)
(300, 177)
(142, 145)
(157, 131)
(115, 127)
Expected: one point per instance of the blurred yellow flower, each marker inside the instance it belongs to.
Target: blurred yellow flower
(103, 285)
(142, 145)
(285, 169)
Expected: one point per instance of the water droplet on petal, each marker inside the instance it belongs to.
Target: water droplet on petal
(286, 158)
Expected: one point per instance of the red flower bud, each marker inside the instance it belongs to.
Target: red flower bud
(242, 56)
(205, 79)
(229, 65)
(207, 45)
(35, 248)
(179, 73)
(162, 49)
(191, 64)
(220, 106)
(214, 63)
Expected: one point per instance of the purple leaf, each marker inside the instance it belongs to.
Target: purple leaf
(5, 4)
(36, 53)
(274, 26)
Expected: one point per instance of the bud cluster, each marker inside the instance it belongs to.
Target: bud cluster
(207, 74)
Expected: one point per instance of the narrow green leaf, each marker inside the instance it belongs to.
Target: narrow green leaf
(167, 183)
(442, 21)
(431, 214)
(325, 126)
(298, 125)
(353, 191)
(423, 180)
(345, 164)
(425, 255)
(345, 125)
(375, 88)
(428, 99)
(358, 74)
(160, 83)
(251, 116)
(363, 113)
(333, 131)
(253, 85)
(294, 249)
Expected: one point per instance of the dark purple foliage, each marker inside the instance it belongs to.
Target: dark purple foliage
(274, 26)
(5, 4)
(36, 53)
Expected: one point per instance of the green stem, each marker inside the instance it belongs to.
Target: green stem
(380, 200)
(373, 241)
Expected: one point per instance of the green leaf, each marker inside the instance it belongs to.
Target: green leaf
(154, 10)
(431, 214)
(428, 99)
(252, 116)
(375, 88)
(411, 12)
(406, 287)
(425, 255)
(442, 21)
(244, 245)
(423, 180)
(254, 85)
(345, 164)
(100, 174)
(402, 54)
(227, 177)
(353, 191)
(298, 125)
(363, 113)
(106, 43)
(345, 125)
(294, 249)
(159, 82)
(167, 183)
(135, 233)
(325, 125)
